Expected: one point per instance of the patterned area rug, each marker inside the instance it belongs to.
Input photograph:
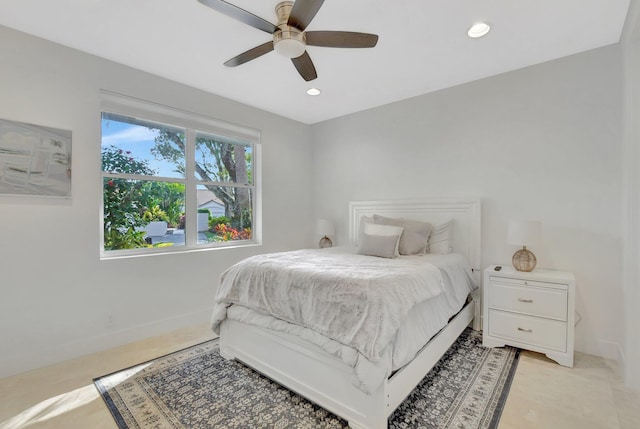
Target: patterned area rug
(196, 388)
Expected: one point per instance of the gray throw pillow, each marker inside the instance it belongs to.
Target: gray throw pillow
(415, 236)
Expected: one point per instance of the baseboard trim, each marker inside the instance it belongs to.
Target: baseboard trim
(89, 345)
(602, 348)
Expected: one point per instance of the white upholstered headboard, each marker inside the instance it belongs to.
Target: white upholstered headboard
(465, 213)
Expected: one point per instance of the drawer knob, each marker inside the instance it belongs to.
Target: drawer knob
(525, 330)
(525, 300)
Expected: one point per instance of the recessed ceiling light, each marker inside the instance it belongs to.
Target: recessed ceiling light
(478, 29)
(313, 91)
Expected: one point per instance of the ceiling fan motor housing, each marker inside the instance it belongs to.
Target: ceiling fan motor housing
(288, 41)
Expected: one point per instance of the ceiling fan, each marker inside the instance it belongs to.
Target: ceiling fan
(289, 36)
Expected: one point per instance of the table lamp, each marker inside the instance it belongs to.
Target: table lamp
(524, 233)
(325, 228)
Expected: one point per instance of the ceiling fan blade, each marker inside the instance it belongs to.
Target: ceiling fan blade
(240, 14)
(305, 66)
(303, 12)
(251, 54)
(341, 39)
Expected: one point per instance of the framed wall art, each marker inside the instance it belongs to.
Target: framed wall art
(34, 160)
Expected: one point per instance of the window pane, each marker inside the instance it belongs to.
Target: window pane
(135, 146)
(143, 214)
(229, 213)
(223, 161)
(147, 178)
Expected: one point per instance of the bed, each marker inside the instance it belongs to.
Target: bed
(359, 374)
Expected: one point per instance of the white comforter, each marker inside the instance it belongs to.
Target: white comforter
(359, 301)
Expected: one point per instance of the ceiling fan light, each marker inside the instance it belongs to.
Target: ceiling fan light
(478, 29)
(313, 91)
(289, 42)
(289, 48)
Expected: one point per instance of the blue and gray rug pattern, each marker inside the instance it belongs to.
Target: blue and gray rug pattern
(196, 388)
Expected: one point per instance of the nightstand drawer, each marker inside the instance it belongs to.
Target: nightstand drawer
(550, 334)
(528, 282)
(534, 301)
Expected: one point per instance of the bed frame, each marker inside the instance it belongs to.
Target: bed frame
(326, 380)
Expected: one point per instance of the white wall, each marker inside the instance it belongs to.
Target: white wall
(55, 293)
(631, 56)
(541, 143)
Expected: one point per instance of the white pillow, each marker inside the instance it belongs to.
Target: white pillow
(439, 241)
(415, 237)
(386, 230)
(364, 219)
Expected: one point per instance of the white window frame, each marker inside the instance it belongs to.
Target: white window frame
(193, 123)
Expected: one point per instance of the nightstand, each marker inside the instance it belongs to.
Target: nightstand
(533, 311)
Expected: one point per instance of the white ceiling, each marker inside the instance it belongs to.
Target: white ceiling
(423, 45)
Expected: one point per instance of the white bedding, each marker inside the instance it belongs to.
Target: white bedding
(357, 300)
(413, 304)
(426, 319)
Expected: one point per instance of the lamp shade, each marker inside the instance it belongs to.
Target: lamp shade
(523, 233)
(325, 227)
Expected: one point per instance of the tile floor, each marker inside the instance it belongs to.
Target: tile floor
(543, 394)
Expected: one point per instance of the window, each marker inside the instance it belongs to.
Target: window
(172, 180)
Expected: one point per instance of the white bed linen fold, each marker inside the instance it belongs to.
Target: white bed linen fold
(426, 319)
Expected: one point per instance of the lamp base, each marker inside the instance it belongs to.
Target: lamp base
(325, 242)
(524, 260)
